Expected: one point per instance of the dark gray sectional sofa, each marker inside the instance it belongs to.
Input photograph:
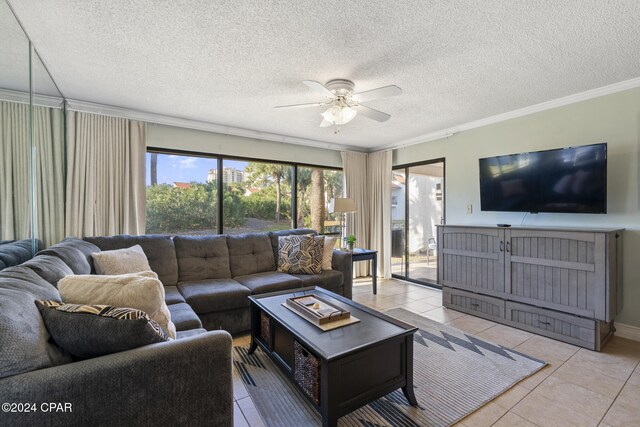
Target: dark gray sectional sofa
(208, 278)
(187, 381)
(15, 252)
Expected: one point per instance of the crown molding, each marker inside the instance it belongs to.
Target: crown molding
(23, 98)
(108, 110)
(544, 106)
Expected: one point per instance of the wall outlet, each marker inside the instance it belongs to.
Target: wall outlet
(469, 208)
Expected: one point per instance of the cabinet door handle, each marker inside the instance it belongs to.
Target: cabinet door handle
(473, 304)
(544, 323)
(508, 246)
(501, 246)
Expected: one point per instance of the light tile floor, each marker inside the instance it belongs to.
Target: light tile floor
(579, 387)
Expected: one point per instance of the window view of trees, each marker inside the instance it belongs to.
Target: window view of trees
(182, 196)
(316, 188)
(264, 195)
(179, 200)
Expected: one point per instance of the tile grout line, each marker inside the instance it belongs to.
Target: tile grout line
(540, 383)
(618, 394)
(244, 417)
(257, 412)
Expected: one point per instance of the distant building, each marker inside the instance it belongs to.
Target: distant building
(228, 175)
(182, 185)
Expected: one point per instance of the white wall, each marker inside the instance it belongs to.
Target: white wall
(424, 211)
(614, 119)
(176, 138)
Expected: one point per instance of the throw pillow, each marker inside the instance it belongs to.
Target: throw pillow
(142, 291)
(87, 331)
(327, 255)
(318, 253)
(295, 254)
(121, 261)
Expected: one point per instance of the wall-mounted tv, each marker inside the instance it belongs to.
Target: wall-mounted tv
(569, 180)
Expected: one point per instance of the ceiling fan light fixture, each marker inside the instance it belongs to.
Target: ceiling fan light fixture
(339, 115)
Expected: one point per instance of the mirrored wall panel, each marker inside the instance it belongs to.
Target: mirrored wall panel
(31, 148)
(16, 234)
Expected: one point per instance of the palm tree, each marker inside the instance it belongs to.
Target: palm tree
(304, 181)
(154, 168)
(317, 200)
(333, 183)
(263, 174)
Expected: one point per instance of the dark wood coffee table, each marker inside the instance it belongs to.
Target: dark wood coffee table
(339, 370)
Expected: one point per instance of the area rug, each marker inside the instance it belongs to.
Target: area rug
(455, 373)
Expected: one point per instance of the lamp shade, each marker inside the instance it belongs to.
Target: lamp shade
(342, 205)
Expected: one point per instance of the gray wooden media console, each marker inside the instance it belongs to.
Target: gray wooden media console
(559, 282)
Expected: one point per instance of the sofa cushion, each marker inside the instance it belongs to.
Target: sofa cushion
(172, 295)
(202, 257)
(87, 249)
(274, 235)
(26, 344)
(269, 281)
(328, 279)
(250, 253)
(71, 256)
(87, 331)
(142, 291)
(183, 316)
(205, 296)
(159, 249)
(50, 268)
(24, 279)
(15, 253)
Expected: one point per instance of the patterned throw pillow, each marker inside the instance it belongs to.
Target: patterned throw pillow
(318, 253)
(296, 254)
(86, 331)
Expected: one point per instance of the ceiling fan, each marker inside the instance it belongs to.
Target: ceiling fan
(343, 103)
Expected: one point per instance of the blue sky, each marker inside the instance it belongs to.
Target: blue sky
(174, 168)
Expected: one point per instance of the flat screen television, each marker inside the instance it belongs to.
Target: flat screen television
(568, 180)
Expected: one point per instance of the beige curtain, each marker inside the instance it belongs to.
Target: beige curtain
(48, 141)
(379, 183)
(48, 166)
(105, 175)
(355, 184)
(15, 207)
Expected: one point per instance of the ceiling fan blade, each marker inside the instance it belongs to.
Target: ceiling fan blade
(381, 92)
(371, 113)
(313, 104)
(319, 88)
(325, 123)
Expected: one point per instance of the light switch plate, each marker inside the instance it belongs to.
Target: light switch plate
(469, 208)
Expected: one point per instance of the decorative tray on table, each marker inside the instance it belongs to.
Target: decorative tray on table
(319, 312)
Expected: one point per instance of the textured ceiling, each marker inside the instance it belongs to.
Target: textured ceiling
(231, 62)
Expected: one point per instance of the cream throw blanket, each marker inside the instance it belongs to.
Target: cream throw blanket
(142, 291)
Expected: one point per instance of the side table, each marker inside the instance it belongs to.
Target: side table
(358, 254)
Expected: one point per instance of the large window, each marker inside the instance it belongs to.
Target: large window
(183, 195)
(257, 196)
(316, 188)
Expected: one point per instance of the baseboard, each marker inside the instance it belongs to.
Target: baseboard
(627, 331)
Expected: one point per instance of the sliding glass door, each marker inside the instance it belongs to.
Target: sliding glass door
(417, 203)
